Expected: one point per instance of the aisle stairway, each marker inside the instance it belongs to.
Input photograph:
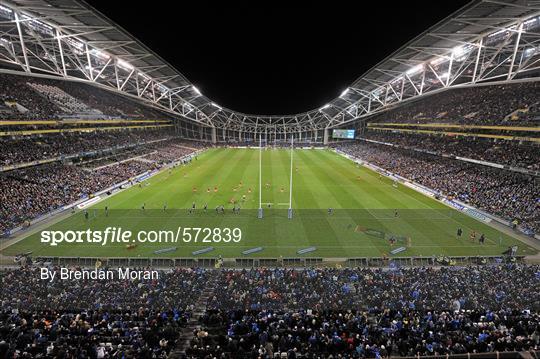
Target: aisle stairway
(186, 334)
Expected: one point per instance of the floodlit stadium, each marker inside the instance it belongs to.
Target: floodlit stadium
(328, 233)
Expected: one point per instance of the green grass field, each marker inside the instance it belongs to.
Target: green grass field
(364, 212)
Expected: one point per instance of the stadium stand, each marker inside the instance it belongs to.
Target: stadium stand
(26, 149)
(37, 180)
(94, 319)
(169, 153)
(352, 334)
(27, 193)
(271, 313)
(45, 99)
(110, 104)
(495, 104)
(511, 153)
(67, 103)
(24, 102)
(511, 195)
(367, 289)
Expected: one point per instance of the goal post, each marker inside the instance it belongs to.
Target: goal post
(260, 214)
(290, 212)
(289, 209)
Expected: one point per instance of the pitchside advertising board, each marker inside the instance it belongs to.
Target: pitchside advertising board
(348, 134)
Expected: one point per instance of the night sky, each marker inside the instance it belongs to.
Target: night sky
(272, 58)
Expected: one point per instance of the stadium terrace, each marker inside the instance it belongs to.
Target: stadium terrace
(400, 219)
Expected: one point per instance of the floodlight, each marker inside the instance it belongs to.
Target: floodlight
(529, 52)
(438, 61)
(457, 51)
(99, 54)
(124, 64)
(415, 70)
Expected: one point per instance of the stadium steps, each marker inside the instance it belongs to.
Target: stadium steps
(199, 308)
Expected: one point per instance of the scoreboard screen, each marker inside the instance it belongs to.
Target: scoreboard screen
(348, 134)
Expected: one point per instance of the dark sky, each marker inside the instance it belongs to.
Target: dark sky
(274, 59)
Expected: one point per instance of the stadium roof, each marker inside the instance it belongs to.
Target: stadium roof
(486, 40)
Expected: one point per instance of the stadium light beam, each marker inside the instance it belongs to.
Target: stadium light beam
(416, 69)
(124, 64)
(216, 106)
(325, 107)
(196, 90)
(439, 60)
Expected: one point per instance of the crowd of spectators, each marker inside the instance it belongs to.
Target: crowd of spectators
(156, 152)
(29, 192)
(510, 195)
(277, 312)
(94, 318)
(510, 287)
(196, 144)
(358, 313)
(168, 153)
(14, 90)
(493, 104)
(26, 149)
(511, 153)
(121, 171)
(114, 157)
(355, 334)
(59, 97)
